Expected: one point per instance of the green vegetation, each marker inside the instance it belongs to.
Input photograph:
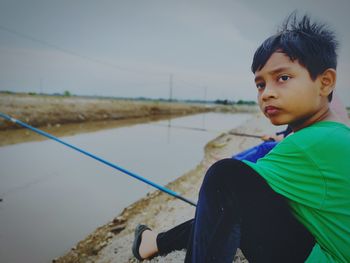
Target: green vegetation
(246, 102)
(7, 92)
(67, 93)
(240, 102)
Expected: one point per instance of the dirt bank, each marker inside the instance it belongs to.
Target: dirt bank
(112, 241)
(49, 111)
(67, 116)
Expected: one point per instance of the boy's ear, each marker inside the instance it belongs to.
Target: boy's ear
(328, 79)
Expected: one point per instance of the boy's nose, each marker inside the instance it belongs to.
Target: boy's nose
(268, 93)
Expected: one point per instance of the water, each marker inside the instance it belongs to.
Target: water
(54, 196)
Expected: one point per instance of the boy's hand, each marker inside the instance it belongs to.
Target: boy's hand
(274, 137)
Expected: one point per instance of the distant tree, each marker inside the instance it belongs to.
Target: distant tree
(7, 92)
(224, 102)
(246, 102)
(67, 93)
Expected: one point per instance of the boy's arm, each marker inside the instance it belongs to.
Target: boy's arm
(279, 136)
(289, 171)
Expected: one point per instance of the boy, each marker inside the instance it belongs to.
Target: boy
(293, 205)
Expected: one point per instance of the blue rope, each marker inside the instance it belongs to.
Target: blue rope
(161, 188)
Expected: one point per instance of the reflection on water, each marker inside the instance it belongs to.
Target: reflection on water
(54, 196)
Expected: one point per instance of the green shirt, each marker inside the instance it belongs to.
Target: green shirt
(312, 169)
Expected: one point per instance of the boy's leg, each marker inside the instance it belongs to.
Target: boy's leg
(233, 193)
(176, 238)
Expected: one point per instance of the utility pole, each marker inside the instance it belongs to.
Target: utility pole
(171, 87)
(41, 85)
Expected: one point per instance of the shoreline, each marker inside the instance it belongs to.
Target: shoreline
(112, 241)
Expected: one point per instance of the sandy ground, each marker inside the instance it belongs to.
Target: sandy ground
(112, 242)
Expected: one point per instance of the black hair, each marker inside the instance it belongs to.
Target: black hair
(312, 44)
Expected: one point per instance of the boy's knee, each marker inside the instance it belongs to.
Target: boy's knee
(223, 172)
(231, 173)
(224, 183)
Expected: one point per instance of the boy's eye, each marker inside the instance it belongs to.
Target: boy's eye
(260, 85)
(283, 78)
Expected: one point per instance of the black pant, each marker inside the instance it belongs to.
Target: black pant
(237, 208)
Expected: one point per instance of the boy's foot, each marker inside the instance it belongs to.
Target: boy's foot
(145, 245)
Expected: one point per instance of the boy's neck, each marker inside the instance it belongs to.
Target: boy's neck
(325, 114)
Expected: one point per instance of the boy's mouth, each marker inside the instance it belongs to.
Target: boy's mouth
(271, 110)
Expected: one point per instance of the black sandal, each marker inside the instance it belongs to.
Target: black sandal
(137, 241)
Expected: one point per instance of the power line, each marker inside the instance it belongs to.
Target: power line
(95, 60)
(191, 84)
(73, 53)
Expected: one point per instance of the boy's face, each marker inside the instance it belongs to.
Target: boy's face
(286, 92)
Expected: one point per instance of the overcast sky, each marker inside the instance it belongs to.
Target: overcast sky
(132, 48)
